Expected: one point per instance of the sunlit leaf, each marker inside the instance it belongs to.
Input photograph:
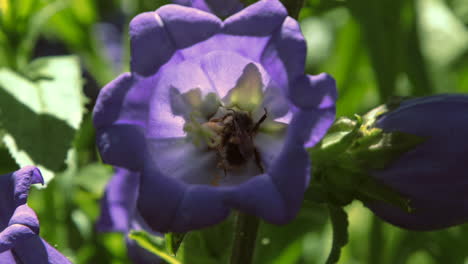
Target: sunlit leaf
(40, 116)
(153, 244)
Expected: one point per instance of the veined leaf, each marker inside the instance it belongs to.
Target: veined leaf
(40, 116)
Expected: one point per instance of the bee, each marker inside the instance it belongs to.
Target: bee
(234, 141)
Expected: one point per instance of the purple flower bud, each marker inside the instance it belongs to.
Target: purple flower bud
(215, 115)
(433, 175)
(19, 227)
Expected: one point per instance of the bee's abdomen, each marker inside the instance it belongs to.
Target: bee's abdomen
(233, 155)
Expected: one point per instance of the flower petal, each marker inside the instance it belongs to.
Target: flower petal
(236, 44)
(258, 19)
(444, 148)
(151, 46)
(14, 190)
(423, 219)
(251, 27)
(291, 172)
(119, 202)
(219, 8)
(122, 145)
(123, 101)
(13, 235)
(158, 198)
(7, 257)
(275, 101)
(23, 178)
(36, 250)
(25, 216)
(185, 76)
(201, 206)
(314, 91)
(120, 118)
(248, 28)
(259, 196)
(23, 226)
(284, 55)
(224, 68)
(187, 26)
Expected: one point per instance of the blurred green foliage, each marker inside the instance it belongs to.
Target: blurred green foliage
(374, 49)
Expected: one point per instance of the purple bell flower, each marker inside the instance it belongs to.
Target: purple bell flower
(220, 8)
(19, 227)
(119, 214)
(433, 176)
(215, 115)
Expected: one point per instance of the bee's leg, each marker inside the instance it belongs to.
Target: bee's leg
(260, 121)
(215, 180)
(222, 164)
(258, 160)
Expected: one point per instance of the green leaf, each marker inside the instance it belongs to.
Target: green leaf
(339, 220)
(291, 242)
(380, 23)
(93, 178)
(173, 241)
(40, 116)
(153, 244)
(211, 245)
(7, 163)
(293, 7)
(35, 24)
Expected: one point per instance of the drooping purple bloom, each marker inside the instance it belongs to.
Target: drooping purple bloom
(119, 214)
(220, 8)
(173, 118)
(19, 227)
(433, 175)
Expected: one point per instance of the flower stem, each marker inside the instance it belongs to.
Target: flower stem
(245, 235)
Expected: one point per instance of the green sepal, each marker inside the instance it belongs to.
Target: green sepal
(340, 135)
(173, 241)
(339, 220)
(379, 149)
(154, 244)
(350, 153)
(371, 189)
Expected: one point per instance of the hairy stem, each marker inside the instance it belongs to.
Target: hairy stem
(245, 235)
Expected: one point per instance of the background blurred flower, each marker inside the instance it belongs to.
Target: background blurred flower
(119, 214)
(433, 175)
(19, 236)
(193, 76)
